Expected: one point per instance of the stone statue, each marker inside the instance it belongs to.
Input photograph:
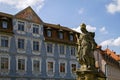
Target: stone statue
(86, 46)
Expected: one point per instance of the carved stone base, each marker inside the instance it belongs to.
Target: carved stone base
(86, 75)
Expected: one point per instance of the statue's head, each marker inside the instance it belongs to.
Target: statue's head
(83, 28)
(83, 25)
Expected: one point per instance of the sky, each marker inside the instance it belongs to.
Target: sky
(100, 16)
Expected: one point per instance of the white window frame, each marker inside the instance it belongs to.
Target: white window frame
(50, 53)
(5, 48)
(22, 72)
(6, 71)
(25, 44)
(37, 27)
(35, 51)
(37, 59)
(61, 73)
(39, 31)
(62, 55)
(73, 62)
(50, 60)
(74, 51)
(25, 28)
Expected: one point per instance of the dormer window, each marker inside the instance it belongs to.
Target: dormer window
(21, 26)
(49, 32)
(71, 37)
(5, 24)
(60, 34)
(35, 29)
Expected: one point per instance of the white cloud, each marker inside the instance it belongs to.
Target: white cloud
(113, 7)
(81, 11)
(89, 28)
(103, 30)
(21, 4)
(111, 42)
(117, 42)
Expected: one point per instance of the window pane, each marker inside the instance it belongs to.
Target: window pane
(36, 29)
(71, 37)
(4, 63)
(36, 45)
(4, 41)
(21, 26)
(4, 24)
(73, 67)
(50, 66)
(49, 33)
(21, 64)
(21, 43)
(62, 67)
(72, 51)
(61, 35)
(36, 65)
(62, 49)
(49, 47)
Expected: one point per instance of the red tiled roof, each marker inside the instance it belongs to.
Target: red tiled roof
(112, 54)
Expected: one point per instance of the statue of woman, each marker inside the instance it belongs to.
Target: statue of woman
(86, 45)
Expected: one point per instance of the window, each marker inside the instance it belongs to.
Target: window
(21, 43)
(4, 41)
(60, 35)
(21, 64)
(36, 65)
(62, 67)
(49, 33)
(4, 63)
(49, 47)
(73, 67)
(21, 26)
(35, 29)
(35, 45)
(61, 49)
(50, 66)
(72, 51)
(4, 24)
(71, 37)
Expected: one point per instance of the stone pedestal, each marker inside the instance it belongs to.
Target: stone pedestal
(86, 75)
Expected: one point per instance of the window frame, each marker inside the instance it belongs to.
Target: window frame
(49, 33)
(62, 49)
(35, 29)
(4, 24)
(21, 43)
(49, 47)
(21, 26)
(8, 63)
(5, 41)
(33, 69)
(72, 50)
(71, 37)
(61, 35)
(25, 64)
(36, 45)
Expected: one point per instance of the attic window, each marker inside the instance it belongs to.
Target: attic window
(60, 34)
(49, 32)
(4, 24)
(71, 36)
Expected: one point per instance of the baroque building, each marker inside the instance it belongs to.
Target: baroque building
(31, 49)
